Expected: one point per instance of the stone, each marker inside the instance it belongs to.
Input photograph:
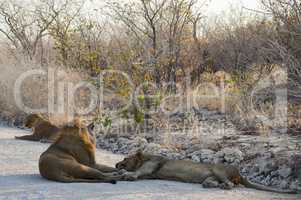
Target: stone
(218, 160)
(164, 152)
(152, 148)
(139, 141)
(245, 145)
(295, 185)
(207, 145)
(176, 156)
(285, 172)
(284, 184)
(282, 131)
(204, 155)
(266, 166)
(274, 173)
(196, 158)
(232, 155)
(267, 155)
(220, 154)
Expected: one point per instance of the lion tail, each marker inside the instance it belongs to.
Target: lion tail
(27, 137)
(249, 184)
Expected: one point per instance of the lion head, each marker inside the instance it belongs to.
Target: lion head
(32, 119)
(77, 130)
(131, 163)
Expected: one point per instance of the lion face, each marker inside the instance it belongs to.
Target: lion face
(83, 133)
(31, 120)
(130, 163)
(90, 129)
(73, 133)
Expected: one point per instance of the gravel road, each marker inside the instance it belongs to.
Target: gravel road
(20, 179)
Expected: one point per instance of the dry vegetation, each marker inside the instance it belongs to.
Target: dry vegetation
(159, 41)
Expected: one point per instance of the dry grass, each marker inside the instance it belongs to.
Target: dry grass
(240, 100)
(234, 99)
(34, 90)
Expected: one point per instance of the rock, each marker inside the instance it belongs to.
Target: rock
(285, 172)
(265, 167)
(295, 185)
(297, 174)
(267, 180)
(244, 170)
(220, 154)
(245, 145)
(204, 155)
(274, 173)
(122, 140)
(282, 131)
(284, 184)
(231, 155)
(112, 140)
(176, 156)
(218, 160)
(258, 179)
(18, 121)
(164, 152)
(196, 158)
(152, 148)
(210, 144)
(138, 143)
(277, 150)
(267, 155)
(275, 181)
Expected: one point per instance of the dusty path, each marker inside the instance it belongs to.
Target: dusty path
(20, 179)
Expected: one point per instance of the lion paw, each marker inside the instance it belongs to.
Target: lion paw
(122, 171)
(210, 184)
(116, 174)
(45, 140)
(227, 186)
(130, 176)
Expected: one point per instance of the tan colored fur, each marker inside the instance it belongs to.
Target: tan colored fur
(145, 166)
(43, 130)
(72, 158)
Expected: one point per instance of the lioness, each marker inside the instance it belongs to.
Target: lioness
(72, 158)
(43, 130)
(145, 166)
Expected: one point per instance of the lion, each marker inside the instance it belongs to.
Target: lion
(43, 130)
(146, 166)
(71, 158)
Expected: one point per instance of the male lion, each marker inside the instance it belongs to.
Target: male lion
(72, 158)
(145, 166)
(43, 130)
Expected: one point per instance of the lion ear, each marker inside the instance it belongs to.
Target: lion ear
(91, 126)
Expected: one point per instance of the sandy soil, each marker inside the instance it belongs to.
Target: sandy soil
(20, 179)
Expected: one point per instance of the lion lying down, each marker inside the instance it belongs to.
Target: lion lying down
(72, 158)
(43, 130)
(145, 166)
